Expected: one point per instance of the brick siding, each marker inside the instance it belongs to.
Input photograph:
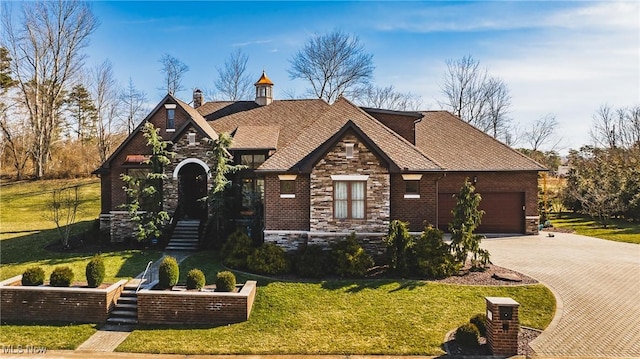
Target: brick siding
(44, 303)
(419, 212)
(286, 213)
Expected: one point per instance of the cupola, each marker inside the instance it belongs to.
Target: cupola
(264, 90)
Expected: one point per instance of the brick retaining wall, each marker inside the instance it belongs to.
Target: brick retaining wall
(44, 303)
(194, 307)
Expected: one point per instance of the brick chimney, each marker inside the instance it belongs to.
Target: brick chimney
(197, 98)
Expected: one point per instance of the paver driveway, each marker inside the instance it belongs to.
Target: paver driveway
(596, 283)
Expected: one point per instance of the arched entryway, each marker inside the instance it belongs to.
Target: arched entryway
(192, 188)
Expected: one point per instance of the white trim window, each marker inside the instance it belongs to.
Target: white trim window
(287, 186)
(349, 199)
(171, 117)
(411, 185)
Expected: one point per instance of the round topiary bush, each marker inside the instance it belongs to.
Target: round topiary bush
(268, 259)
(467, 335)
(61, 277)
(195, 279)
(168, 272)
(480, 321)
(225, 282)
(95, 272)
(33, 276)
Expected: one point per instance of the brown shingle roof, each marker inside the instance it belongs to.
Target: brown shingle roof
(198, 119)
(459, 146)
(403, 154)
(255, 137)
(290, 116)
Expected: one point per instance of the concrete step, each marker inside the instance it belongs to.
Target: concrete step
(128, 300)
(125, 306)
(123, 313)
(173, 248)
(122, 321)
(183, 240)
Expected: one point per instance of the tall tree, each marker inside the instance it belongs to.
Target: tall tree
(82, 113)
(105, 92)
(474, 96)
(387, 98)
(6, 81)
(616, 128)
(541, 133)
(133, 106)
(233, 82)
(333, 64)
(173, 70)
(46, 45)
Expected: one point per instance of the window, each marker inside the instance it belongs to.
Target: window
(192, 139)
(252, 193)
(349, 149)
(171, 117)
(287, 186)
(349, 199)
(411, 185)
(252, 161)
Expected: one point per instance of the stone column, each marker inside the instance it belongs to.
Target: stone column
(503, 325)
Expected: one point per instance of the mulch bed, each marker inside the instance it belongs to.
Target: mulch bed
(493, 275)
(525, 336)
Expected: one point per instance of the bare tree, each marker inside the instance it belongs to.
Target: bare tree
(16, 138)
(388, 98)
(46, 47)
(133, 102)
(173, 70)
(233, 82)
(333, 64)
(476, 97)
(541, 132)
(616, 128)
(105, 93)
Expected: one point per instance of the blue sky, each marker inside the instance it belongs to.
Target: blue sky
(564, 58)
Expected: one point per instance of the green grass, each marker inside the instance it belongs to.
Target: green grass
(618, 230)
(25, 231)
(340, 316)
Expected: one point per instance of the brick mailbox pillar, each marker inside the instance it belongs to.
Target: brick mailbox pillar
(503, 325)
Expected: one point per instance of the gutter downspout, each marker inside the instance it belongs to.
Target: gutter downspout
(438, 199)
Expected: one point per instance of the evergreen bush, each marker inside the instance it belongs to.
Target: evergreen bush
(236, 250)
(268, 259)
(195, 279)
(225, 282)
(399, 243)
(33, 276)
(467, 335)
(61, 277)
(168, 272)
(95, 272)
(480, 321)
(350, 258)
(313, 262)
(431, 257)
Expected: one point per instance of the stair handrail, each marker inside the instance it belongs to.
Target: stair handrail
(143, 275)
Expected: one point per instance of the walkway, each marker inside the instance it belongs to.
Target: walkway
(108, 337)
(596, 283)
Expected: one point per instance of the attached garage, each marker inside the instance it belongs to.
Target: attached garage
(504, 212)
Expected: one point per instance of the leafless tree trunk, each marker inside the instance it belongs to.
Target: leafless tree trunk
(173, 70)
(105, 93)
(133, 103)
(388, 98)
(619, 128)
(64, 208)
(15, 139)
(541, 132)
(476, 97)
(46, 47)
(233, 82)
(333, 64)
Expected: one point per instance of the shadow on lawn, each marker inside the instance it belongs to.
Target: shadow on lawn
(357, 285)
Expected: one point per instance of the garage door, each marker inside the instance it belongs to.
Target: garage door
(503, 212)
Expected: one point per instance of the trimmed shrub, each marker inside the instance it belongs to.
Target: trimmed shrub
(313, 262)
(431, 257)
(225, 282)
(268, 259)
(480, 321)
(168, 272)
(61, 277)
(195, 279)
(399, 243)
(33, 276)
(95, 272)
(236, 250)
(350, 258)
(467, 335)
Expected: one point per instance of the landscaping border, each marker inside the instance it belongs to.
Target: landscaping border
(196, 307)
(69, 304)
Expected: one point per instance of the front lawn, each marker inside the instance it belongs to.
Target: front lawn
(48, 335)
(340, 316)
(618, 230)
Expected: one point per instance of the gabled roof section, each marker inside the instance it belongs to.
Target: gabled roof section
(214, 110)
(459, 146)
(196, 120)
(401, 153)
(256, 138)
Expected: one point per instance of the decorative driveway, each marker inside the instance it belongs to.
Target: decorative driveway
(596, 283)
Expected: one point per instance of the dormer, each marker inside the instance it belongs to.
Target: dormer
(264, 90)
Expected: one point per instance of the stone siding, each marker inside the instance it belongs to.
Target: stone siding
(364, 162)
(292, 241)
(121, 226)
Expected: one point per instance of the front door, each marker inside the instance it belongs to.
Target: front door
(193, 189)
